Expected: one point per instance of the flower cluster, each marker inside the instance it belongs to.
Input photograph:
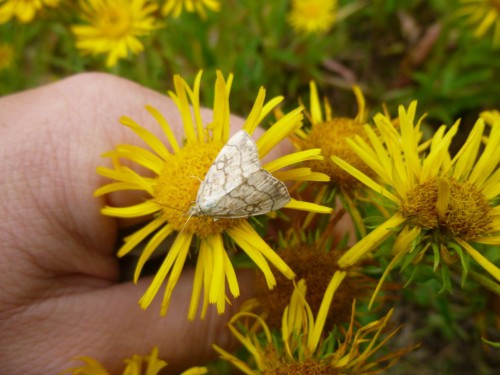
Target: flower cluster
(304, 346)
(117, 28)
(442, 203)
(435, 204)
(109, 27)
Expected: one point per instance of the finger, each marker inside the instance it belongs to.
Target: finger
(108, 325)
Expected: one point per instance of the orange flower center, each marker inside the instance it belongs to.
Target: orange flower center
(331, 136)
(317, 267)
(308, 366)
(455, 208)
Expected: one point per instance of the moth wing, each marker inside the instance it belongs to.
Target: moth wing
(236, 161)
(259, 194)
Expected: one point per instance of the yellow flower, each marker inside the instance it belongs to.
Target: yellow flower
(443, 204)
(23, 10)
(175, 7)
(329, 133)
(174, 188)
(312, 16)
(484, 14)
(137, 365)
(316, 267)
(114, 27)
(305, 347)
(313, 255)
(6, 56)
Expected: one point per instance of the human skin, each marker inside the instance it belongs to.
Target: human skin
(60, 296)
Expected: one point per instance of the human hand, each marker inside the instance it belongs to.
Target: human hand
(58, 271)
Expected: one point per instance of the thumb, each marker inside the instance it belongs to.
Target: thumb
(108, 325)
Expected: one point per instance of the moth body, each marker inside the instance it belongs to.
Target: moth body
(237, 186)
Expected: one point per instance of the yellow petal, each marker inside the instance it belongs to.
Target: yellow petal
(365, 179)
(148, 137)
(279, 131)
(371, 241)
(220, 124)
(138, 155)
(202, 277)
(316, 113)
(181, 100)
(185, 242)
(253, 118)
(294, 158)
(176, 252)
(138, 236)
(152, 245)
(333, 285)
(250, 241)
(165, 126)
(138, 210)
(301, 174)
(482, 261)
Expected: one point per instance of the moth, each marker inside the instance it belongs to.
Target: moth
(236, 185)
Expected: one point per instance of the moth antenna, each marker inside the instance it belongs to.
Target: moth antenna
(184, 226)
(173, 208)
(199, 179)
(183, 212)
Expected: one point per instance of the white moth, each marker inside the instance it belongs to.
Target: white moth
(236, 186)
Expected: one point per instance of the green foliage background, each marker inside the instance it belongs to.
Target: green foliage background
(381, 46)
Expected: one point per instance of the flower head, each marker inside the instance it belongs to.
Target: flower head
(442, 204)
(137, 365)
(313, 255)
(114, 27)
(305, 347)
(329, 133)
(484, 14)
(175, 7)
(6, 56)
(178, 173)
(23, 10)
(312, 16)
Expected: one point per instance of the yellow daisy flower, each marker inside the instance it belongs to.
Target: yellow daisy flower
(175, 7)
(23, 10)
(312, 16)
(443, 204)
(6, 56)
(485, 14)
(114, 27)
(329, 133)
(173, 189)
(313, 255)
(305, 347)
(137, 365)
